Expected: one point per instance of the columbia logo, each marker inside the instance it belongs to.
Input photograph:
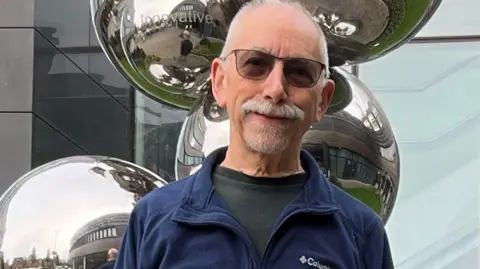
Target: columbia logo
(313, 263)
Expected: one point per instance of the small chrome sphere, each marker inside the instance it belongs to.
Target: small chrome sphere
(70, 212)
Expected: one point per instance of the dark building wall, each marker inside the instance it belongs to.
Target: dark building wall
(59, 94)
(16, 73)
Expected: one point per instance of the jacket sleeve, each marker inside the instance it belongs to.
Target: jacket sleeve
(376, 251)
(129, 253)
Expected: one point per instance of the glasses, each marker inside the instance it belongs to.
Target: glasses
(257, 65)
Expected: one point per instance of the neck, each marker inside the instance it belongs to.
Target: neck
(256, 164)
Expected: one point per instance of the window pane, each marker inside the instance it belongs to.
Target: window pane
(430, 94)
(454, 18)
(157, 130)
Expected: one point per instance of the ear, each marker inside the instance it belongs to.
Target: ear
(218, 82)
(325, 100)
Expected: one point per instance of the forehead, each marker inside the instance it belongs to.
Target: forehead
(280, 29)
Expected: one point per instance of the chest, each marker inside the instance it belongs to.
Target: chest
(313, 247)
(314, 244)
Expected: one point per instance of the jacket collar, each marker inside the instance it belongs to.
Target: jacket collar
(199, 197)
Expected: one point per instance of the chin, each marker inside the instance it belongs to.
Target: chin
(270, 145)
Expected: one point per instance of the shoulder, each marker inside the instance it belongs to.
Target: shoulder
(162, 201)
(360, 217)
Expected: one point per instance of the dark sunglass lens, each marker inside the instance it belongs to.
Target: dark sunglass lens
(302, 72)
(254, 64)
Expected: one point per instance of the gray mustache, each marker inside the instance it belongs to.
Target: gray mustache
(273, 110)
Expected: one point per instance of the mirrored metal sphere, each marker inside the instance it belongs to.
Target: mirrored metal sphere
(70, 212)
(165, 47)
(354, 143)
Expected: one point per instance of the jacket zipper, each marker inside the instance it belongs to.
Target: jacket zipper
(267, 249)
(254, 258)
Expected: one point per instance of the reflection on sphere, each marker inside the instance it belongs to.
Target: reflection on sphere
(143, 38)
(353, 144)
(69, 212)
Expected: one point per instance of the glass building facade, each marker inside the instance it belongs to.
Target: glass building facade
(65, 98)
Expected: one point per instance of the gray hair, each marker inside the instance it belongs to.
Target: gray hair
(258, 3)
(113, 253)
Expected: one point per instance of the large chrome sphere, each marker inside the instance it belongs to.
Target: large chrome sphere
(143, 38)
(354, 144)
(69, 212)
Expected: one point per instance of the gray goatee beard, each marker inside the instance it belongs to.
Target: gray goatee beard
(270, 138)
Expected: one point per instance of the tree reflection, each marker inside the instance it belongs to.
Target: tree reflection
(50, 261)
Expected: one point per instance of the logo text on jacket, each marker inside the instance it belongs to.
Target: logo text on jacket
(313, 263)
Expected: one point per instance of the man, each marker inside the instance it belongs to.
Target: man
(261, 202)
(186, 46)
(111, 257)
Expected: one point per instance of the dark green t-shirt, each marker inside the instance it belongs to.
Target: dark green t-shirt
(256, 202)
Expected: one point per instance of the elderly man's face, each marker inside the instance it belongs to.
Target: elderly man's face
(282, 31)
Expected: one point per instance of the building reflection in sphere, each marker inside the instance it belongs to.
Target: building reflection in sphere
(144, 39)
(91, 242)
(354, 143)
(69, 212)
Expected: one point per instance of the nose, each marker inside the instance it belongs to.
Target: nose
(275, 85)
